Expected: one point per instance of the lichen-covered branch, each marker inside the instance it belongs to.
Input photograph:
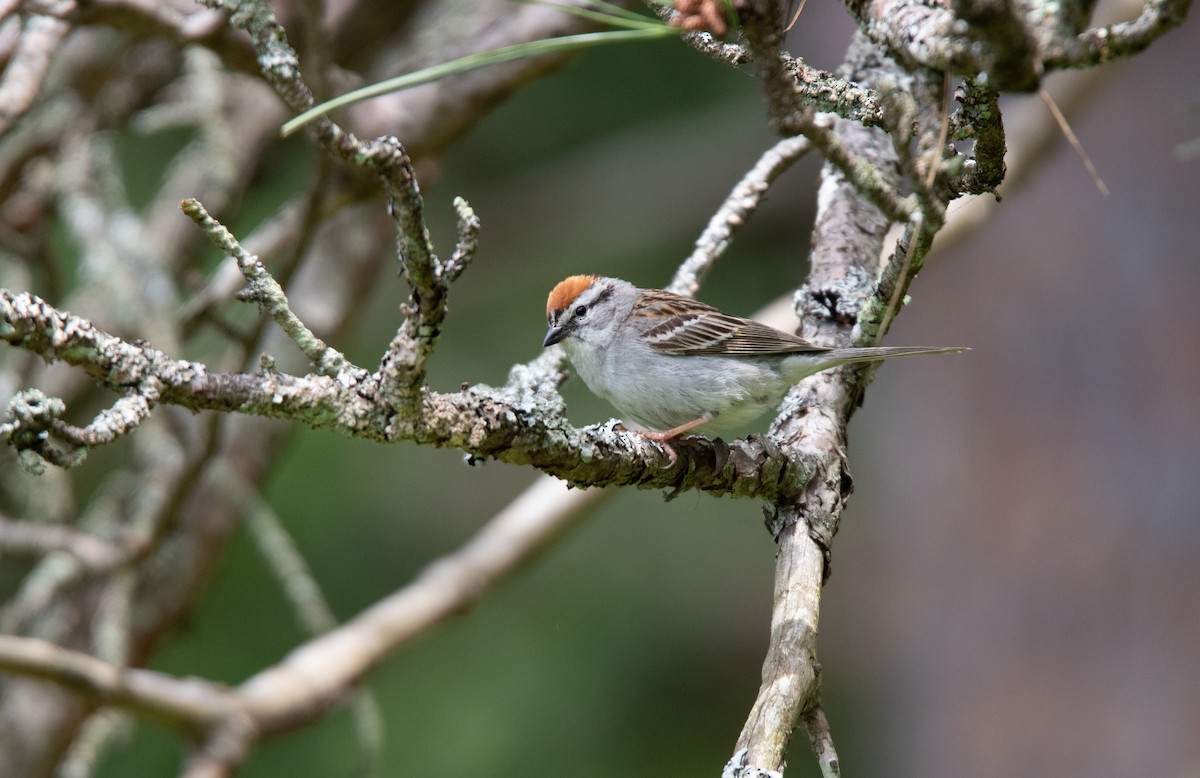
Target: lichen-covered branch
(820, 90)
(838, 305)
(263, 289)
(792, 114)
(519, 423)
(403, 366)
(1097, 45)
(978, 118)
(1013, 45)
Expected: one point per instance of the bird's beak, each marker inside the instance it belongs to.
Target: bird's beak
(554, 335)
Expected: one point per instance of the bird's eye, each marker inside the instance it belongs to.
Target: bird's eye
(581, 311)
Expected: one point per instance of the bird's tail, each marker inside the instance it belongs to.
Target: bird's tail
(810, 362)
(842, 356)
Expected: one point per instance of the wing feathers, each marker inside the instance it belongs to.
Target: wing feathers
(679, 325)
(682, 326)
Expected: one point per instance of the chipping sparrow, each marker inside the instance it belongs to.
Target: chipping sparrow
(673, 364)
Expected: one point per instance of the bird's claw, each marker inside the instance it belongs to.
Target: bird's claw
(664, 441)
(671, 455)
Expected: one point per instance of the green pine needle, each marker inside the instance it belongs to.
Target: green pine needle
(647, 30)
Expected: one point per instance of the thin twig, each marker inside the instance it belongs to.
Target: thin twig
(316, 674)
(182, 703)
(265, 290)
(822, 742)
(291, 570)
(24, 537)
(22, 78)
(897, 274)
(1069, 134)
(735, 211)
(791, 114)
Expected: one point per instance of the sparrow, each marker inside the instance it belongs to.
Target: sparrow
(674, 365)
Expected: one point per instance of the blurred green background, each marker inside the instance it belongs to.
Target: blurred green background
(1016, 586)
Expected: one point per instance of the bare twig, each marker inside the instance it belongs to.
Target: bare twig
(41, 35)
(318, 674)
(24, 537)
(181, 703)
(737, 208)
(822, 742)
(313, 613)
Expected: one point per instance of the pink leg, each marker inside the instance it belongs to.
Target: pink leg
(664, 438)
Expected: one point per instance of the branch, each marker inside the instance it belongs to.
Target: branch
(286, 696)
(265, 290)
(316, 676)
(179, 703)
(792, 114)
(24, 537)
(41, 35)
(821, 740)
(847, 242)
(402, 369)
(1103, 44)
(978, 117)
(739, 205)
(820, 90)
(1013, 44)
(789, 673)
(520, 423)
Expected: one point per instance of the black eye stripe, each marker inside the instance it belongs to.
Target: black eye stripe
(581, 310)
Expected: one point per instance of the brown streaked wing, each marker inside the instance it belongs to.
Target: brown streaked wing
(679, 325)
